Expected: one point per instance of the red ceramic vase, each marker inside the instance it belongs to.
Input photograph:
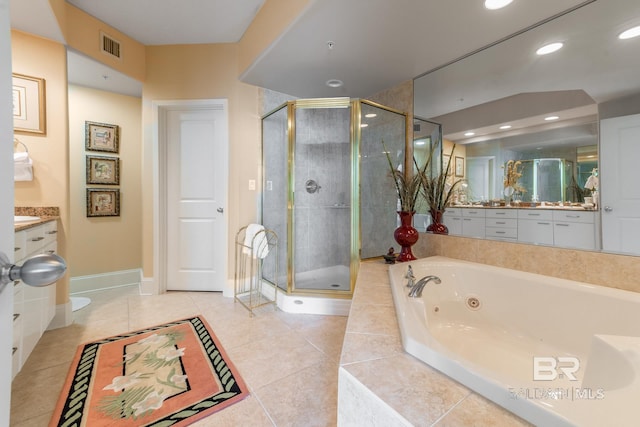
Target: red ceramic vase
(437, 226)
(406, 236)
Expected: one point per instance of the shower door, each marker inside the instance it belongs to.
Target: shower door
(322, 199)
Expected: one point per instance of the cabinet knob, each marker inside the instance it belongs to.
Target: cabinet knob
(608, 209)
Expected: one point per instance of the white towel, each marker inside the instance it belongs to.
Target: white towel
(255, 241)
(22, 167)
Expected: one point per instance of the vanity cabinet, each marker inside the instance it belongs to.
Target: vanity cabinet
(574, 229)
(33, 307)
(570, 228)
(535, 226)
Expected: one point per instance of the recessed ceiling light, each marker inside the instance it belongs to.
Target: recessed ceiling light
(503, 127)
(363, 125)
(630, 33)
(334, 83)
(370, 115)
(549, 48)
(496, 4)
(550, 118)
(469, 133)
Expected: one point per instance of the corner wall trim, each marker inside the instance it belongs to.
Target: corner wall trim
(112, 279)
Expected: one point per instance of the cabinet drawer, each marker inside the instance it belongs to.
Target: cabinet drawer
(574, 216)
(502, 222)
(19, 246)
(470, 213)
(545, 215)
(452, 212)
(34, 239)
(50, 231)
(502, 213)
(501, 233)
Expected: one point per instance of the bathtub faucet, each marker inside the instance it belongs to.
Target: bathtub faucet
(411, 279)
(416, 290)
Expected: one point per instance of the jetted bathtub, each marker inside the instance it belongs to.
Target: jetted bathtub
(553, 351)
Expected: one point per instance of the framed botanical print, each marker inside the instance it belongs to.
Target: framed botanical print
(103, 202)
(28, 104)
(103, 170)
(459, 166)
(101, 137)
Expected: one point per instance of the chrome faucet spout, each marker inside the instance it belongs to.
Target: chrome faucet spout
(418, 287)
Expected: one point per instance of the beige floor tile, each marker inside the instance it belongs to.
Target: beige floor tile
(35, 393)
(307, 406)
(264, 361)
(248, 412)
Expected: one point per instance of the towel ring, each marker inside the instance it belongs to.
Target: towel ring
(17, 141)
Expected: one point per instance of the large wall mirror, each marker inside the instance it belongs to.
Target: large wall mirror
(506, 102)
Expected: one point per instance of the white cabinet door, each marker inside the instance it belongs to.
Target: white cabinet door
(473, 227)
(452, 218)
(538, 231)
(473, 223)
(577, 235)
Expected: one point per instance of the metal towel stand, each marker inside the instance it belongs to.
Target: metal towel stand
(251, 289)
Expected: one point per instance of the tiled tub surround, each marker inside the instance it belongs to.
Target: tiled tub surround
(483, 325)
(379, 384)
(596, 268)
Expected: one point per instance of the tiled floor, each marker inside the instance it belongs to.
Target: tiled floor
(289, 361)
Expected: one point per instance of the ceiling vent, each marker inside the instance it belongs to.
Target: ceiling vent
(110, 46)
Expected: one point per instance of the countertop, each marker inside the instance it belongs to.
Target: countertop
(19, 226)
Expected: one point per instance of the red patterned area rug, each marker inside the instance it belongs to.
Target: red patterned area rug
(167, 375)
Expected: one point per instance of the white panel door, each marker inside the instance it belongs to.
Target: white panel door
(619, 191)
(196, 193)
(480, 177)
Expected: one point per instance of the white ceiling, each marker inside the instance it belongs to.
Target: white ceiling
(378, 43)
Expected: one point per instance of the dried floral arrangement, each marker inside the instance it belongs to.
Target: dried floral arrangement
(512, 173)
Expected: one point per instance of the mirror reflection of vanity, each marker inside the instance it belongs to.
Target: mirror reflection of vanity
(558, 109)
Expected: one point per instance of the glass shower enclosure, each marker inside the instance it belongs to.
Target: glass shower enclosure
(327, 191)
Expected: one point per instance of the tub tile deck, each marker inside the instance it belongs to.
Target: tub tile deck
(375, 368)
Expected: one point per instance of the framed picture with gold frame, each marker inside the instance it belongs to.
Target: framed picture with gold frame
(103, 170)
(29, 112)
(459, 166)
(101, 137)
(103, 202)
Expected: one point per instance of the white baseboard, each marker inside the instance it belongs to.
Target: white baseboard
(148, 286)
(109, 280)
(63, 316)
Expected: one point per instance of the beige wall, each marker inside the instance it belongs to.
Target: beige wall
(82, 32)
(42, 58)
(105, 244)
(204, 72)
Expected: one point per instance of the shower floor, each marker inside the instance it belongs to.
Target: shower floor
(325, 278)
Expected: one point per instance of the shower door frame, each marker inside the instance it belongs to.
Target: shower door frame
(355, 140)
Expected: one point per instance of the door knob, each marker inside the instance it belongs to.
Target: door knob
(40, 270)
(220, 210)
(608, 209)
